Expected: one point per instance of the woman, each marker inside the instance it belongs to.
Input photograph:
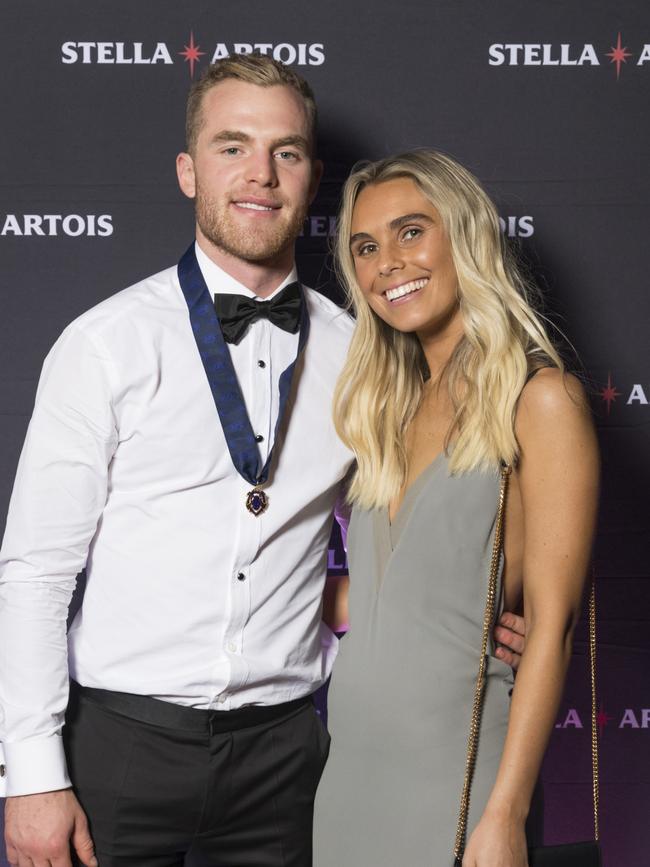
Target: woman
(450, 373)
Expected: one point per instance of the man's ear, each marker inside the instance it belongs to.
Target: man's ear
(185, 174)
(316, 175)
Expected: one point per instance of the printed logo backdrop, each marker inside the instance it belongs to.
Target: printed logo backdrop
(548, 104)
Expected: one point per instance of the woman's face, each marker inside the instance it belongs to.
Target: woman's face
(402, 258)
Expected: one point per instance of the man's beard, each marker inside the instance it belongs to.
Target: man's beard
(256, 243)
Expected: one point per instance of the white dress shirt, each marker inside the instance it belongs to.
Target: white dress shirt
(125, 470)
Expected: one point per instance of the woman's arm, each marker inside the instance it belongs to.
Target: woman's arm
(558, 480)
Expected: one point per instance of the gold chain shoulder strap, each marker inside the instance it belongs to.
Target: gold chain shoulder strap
(488, 620)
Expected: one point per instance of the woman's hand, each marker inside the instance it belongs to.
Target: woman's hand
(497, 842)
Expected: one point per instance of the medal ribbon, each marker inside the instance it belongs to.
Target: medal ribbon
(221, 375)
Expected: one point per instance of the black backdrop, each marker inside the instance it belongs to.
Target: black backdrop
(546, 102)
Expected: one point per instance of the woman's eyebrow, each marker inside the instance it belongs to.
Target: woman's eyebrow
(398, 222)
(360, 236)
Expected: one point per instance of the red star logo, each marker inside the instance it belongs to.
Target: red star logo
(192, 54)
(602, 718)
(619, 55)
(609, 393)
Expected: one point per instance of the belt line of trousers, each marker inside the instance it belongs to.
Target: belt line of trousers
(206, 795)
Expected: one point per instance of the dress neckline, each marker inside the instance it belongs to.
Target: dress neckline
(415, 484)
(401, 518)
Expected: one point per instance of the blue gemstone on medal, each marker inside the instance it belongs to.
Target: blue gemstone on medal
(256, 502)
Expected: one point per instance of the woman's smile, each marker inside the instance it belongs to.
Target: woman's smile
(405, 291)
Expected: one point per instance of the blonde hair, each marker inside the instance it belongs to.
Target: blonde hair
(381, 385)
(252, 68)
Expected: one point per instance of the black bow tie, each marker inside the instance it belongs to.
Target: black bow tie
(236, 312)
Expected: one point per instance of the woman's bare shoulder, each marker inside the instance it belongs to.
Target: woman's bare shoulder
(552, 397)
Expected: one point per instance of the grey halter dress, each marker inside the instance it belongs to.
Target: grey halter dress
(403, 684)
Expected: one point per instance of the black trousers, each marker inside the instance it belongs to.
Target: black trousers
(228, 788)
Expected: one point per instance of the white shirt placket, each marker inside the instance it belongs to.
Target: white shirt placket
(259, 387)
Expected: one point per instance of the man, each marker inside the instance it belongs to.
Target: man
(187, 458)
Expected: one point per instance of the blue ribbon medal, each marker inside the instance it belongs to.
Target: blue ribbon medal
(222, 378)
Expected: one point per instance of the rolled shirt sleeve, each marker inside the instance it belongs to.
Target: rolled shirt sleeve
(59, 493)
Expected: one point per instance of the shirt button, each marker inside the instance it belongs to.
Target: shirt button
(261, 363)
(241, 576)
(3, 770)
(259, 438)
(232, 647)
(221, 699)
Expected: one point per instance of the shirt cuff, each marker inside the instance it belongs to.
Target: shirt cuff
(32, 766)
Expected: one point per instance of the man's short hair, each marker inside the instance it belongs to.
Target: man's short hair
(252, 68)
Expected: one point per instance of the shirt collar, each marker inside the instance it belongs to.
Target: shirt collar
(218, 281)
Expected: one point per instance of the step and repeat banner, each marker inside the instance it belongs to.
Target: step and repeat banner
(547, 103)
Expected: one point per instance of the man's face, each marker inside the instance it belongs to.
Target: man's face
(252, 172)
